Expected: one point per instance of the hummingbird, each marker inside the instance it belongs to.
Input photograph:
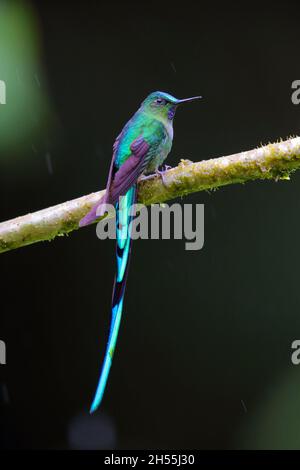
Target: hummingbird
(140, 149)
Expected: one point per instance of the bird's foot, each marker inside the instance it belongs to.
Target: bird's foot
(162, 172)
(158, 173)
(144, 178)
(167, 167)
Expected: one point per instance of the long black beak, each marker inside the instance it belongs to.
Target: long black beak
(185, 100)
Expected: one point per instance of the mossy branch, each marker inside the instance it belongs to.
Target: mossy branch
(273, 161)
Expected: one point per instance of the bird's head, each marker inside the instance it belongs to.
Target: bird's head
(162, 105)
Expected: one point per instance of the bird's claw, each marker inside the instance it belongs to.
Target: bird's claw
(162, 172)
(167, 167)
(158, 172)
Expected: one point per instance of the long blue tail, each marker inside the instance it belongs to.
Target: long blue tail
(123, 248)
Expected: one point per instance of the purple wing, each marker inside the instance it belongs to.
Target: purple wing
(129, 172)
(121, 180)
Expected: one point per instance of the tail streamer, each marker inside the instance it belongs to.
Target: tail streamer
(123, 250)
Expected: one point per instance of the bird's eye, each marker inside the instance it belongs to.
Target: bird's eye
(160, 101)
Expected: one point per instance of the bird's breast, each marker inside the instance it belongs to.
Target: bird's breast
(169, 130)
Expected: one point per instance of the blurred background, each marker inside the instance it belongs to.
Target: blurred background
(203, 359)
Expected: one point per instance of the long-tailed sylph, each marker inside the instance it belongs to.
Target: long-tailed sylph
(140, 149)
